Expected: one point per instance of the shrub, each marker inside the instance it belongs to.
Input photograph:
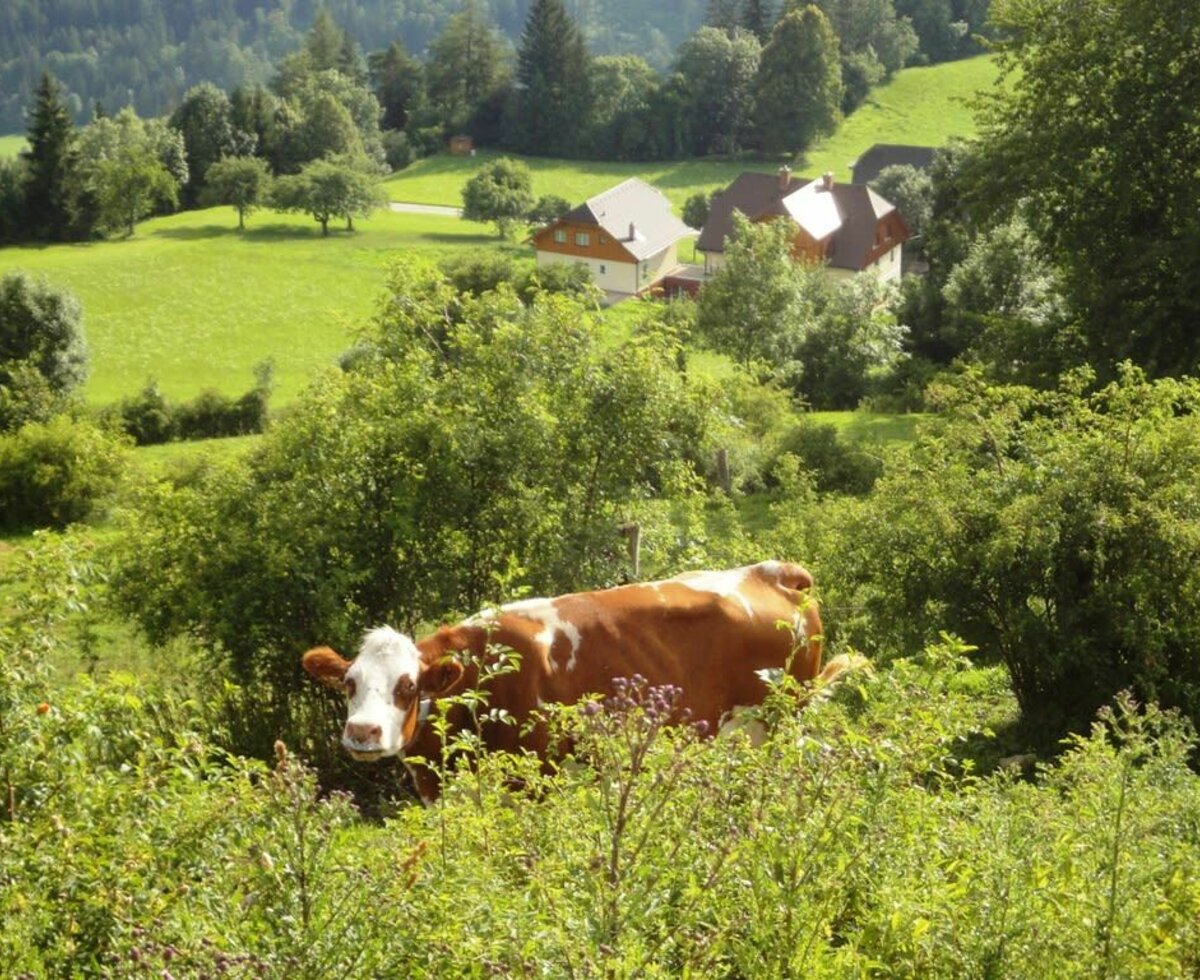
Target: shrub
(837, 467)
(147, 416)
(1055, 531)
(55, 473)
(398, 150)
(150, 418)
(547, 209)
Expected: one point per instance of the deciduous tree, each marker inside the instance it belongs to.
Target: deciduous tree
(1096, 133)
(243, 182)
(501, 191)
(43, 354)
(799, 85)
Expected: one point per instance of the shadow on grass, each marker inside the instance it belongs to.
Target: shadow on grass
(253, 233)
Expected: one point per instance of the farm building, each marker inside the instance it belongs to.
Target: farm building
(628, 236)
(848, 227)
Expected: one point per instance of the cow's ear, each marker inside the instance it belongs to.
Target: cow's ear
(327, 666)
(438, 678)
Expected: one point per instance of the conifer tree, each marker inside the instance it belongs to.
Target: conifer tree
(48, 163)
(554, 95)
(799, 84)
(758, 17)
(723, 14)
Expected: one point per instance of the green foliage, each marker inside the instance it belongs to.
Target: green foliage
(150, 418)
(399, 84)
(470, 435)
(56, 473)
(48, 162)
(547, 209)
(861, 835)
(481, 273)
(911, 190)
(835, 465)
(717, 70)
(331, 188)
(798, 90)
(1055, 531)
(131, 187)
(467, 63)
(1111, 82)
(127, 168)
(43, 354)
(695, 210)
(833, 343)
(204, 119)
(501, 191)
(553, 95)
(243, 182)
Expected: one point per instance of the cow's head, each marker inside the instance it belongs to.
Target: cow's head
(384, 688)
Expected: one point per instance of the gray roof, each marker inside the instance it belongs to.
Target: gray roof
(634, 214)
(848, 214)
(874, 160)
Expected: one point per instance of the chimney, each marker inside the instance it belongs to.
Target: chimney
(827, 180)
(632, 232)
(785, 177)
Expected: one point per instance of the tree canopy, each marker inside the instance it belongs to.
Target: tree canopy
(1096, 139)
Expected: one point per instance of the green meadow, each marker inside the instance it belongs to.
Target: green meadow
(919, 107)
(10, 146)
(193, 303)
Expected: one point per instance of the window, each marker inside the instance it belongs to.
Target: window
(583, 239)
(602, 269)
(560, 235)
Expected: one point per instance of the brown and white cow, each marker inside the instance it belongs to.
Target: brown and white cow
(708, 633)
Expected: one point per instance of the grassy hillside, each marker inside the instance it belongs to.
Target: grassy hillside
(924, 106)
(439, 180)
(10, 146)
(194, 304)
(920, 106)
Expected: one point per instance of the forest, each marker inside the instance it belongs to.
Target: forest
(148, 53)
(1004, 786)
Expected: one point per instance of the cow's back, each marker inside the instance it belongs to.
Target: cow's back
(707, 633)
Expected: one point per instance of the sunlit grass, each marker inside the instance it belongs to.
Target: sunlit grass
(193, 303)
(10, 146)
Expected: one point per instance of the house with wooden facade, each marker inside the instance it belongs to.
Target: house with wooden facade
(847, 227)
(628, 236)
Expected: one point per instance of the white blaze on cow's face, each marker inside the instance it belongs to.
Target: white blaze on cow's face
(381, 688)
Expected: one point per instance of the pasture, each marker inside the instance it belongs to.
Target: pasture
(195, 304)
(10, 146)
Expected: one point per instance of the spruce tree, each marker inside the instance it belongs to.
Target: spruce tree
(758, 17)
(723, 15)
(799, 84)
(554, 95)
(48, 163)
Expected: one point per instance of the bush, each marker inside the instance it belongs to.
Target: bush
(58, 472)
(398, 150)
(1055, 531)
(150, 418)
(837, 467)
(548, 208)
(147, 416)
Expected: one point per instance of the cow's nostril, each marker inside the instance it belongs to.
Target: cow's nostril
(364, 734)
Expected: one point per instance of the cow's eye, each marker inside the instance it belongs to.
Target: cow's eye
(405, 688)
